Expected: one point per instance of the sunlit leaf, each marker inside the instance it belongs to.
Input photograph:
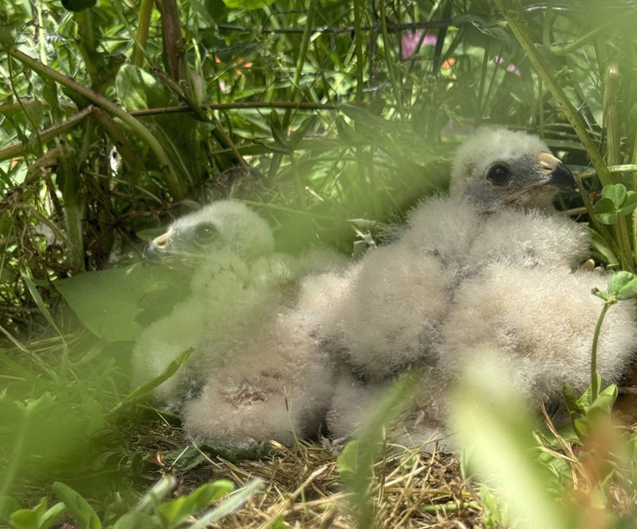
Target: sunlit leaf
(605, 211)
(137, 520)
(622, 285)
(229, 505)
(248, 4)
(176, 511)
(77, 506)
(615, 193)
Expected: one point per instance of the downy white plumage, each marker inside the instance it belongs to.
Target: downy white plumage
(257, 372)
(490, 267)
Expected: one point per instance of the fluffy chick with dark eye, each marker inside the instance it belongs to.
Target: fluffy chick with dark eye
(499, 210)
(421, 299)
(223, 240)
(257, 372)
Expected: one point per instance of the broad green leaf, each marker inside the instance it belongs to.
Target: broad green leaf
(52, 515)
(229, 505)
(615, 193)
(177, 511)
(605, 211)
(581, 427)
(77, 506)
(138, 90)
(110, 302)
(572, 402)
(7, 506)
(50, 95)
(160, 490)
(622, 285)
(25, 519)
(137, 520)
(629, 204)
(276, 127)
(302, 131)
(216, 9)
(35, 111)
(348, 460)
(39, 517)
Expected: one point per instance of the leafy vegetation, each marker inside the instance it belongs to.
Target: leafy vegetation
(331, 118)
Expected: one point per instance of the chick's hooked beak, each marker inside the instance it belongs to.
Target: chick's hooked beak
(558, 175)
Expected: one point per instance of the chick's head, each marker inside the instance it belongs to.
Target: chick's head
(227, 225)
(499, 167)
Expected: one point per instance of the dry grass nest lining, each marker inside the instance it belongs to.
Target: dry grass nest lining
(302, 487)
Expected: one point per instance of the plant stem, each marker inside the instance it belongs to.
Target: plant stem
(9, 108)
(46, 71)
(143, 23)
(18, 149)
(358, 43)
(598, 327)
(390, 67)
(300, 61)
(516, 21)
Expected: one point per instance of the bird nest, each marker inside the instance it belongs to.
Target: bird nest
(303, 488)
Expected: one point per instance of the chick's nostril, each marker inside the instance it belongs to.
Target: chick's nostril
(161, 241)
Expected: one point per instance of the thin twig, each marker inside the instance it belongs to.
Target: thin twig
(18, 149)
(48, 72)
(391, 28)
(518, 25)
(10, 108)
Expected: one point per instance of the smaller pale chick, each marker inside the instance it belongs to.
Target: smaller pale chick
(222, 241)
(257, 372)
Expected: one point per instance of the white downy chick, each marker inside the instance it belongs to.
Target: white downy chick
(499, 209)
(352, 404)
(221, 240)
(269, 381)
(257, 372)
(269, 377)
(496, 234)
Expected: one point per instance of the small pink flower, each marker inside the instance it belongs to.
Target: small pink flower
(514, 69)
(410, 42)
(429, 40)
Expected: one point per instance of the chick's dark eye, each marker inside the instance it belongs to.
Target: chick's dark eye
(499, 175)
(205, 232)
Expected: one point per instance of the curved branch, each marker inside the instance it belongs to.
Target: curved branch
(117, 111)
(18, 148)
(516, 21)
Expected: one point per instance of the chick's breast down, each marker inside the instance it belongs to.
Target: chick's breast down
(542, 323)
